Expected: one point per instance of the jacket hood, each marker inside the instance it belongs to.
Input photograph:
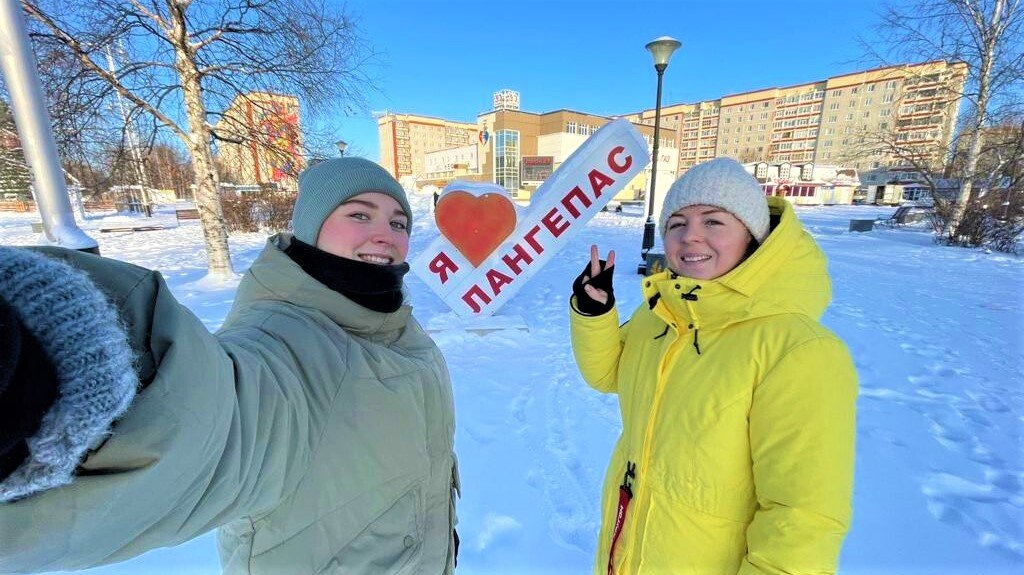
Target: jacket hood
(275, 277)
(787, 274)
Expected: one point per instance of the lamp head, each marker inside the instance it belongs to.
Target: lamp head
(661, 50)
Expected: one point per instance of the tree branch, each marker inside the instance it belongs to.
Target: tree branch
(82, 55)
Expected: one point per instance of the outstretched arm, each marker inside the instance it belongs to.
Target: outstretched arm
(200, 444)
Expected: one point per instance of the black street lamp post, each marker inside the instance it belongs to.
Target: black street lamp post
(661, 50)
(341, 144)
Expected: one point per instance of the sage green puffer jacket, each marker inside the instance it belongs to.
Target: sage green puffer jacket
(317, 434)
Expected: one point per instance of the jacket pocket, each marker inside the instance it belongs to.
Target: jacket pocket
(683, 540)
(388, 544)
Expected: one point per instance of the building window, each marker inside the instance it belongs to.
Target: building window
(853, 90)
(506, 158)
(887, 99)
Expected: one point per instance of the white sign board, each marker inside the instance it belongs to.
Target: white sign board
(489, 247)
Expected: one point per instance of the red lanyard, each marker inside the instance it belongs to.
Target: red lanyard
(625, 496)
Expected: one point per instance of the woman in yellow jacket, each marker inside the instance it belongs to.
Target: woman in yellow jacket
(738, 406)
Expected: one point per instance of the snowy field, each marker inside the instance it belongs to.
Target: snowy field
(936, 334)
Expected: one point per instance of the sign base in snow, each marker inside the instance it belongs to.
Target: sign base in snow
(489, 247)
(479, 325)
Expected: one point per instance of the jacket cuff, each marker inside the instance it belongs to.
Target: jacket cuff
(574, 306)
(82, 337)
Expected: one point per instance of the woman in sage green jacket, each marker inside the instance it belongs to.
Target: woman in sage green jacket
(314, 429)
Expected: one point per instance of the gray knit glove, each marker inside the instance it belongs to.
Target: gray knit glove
(81, 334)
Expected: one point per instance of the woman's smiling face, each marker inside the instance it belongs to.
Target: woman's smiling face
(704, 242)
(369, 227)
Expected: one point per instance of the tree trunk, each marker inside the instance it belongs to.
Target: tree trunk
(207, 195)
(987, 31)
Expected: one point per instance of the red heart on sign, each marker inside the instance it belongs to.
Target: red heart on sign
(475, 225)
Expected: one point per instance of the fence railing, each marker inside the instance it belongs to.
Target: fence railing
(30, 206)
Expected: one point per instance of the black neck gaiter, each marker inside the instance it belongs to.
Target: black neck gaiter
(374, 286)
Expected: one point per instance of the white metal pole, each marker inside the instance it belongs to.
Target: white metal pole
(133, 141)
(33, 123)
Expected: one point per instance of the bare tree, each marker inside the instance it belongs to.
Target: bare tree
(1001, 161)
(750, 155)
(926, 158)
(168, 169)
(163, 57)
(987, 35)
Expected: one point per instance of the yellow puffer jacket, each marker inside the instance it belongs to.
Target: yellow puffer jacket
(738, 412)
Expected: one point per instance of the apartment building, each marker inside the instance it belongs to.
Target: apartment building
(861, 121)
(857, 119)
(406, 139)
(269, 150)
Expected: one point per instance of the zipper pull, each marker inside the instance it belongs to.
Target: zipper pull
(628, 478)
(625, 496)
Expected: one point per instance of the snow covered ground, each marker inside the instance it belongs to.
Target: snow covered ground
(936, 334)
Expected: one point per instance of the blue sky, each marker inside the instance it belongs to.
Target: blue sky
(446, 59)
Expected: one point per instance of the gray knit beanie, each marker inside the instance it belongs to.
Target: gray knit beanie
(722, 183)
(82, 336)
(326, 185)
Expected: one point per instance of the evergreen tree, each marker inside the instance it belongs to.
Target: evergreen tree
(14, 176)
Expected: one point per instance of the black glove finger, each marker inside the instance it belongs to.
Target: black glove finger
(603, 281)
